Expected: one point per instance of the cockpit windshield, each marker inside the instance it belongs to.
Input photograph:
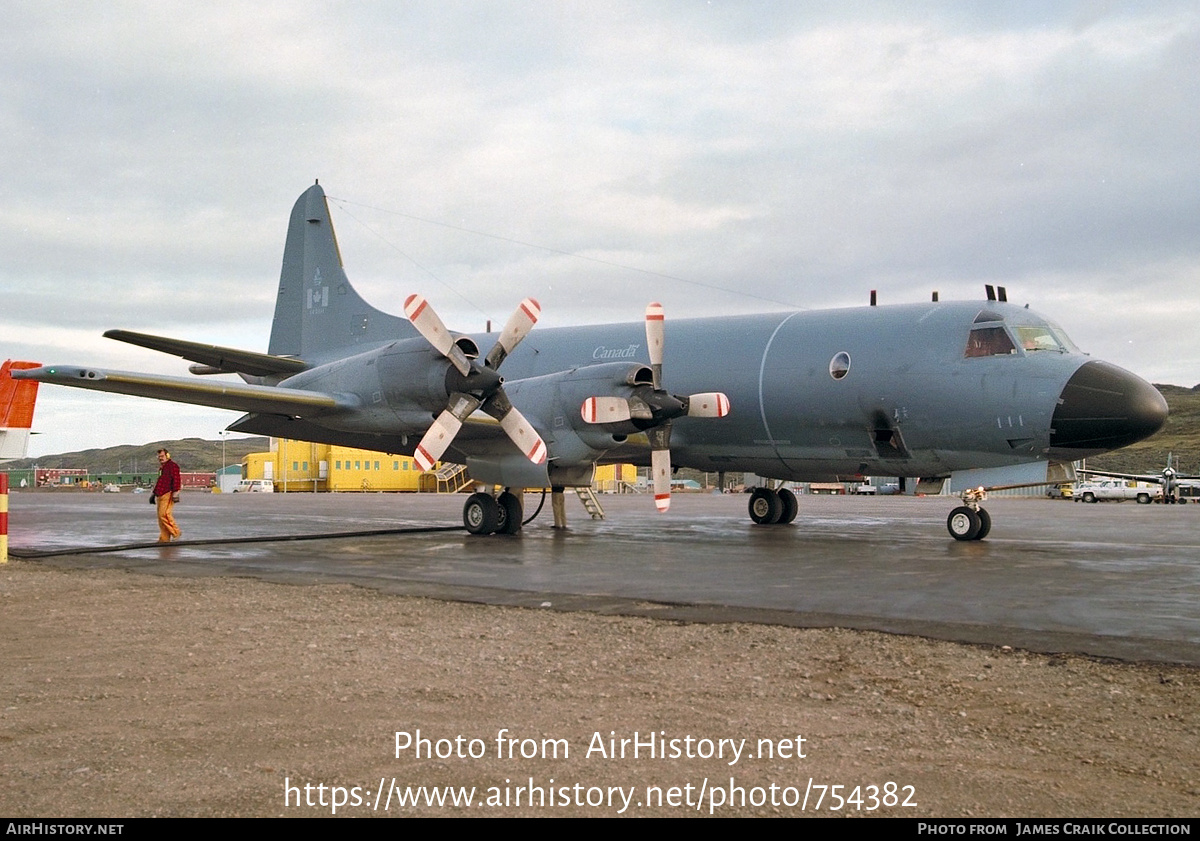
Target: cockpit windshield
(992, 336)
(1038, 338)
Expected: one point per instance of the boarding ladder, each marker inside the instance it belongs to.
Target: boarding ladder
(591, 502)
(451, 478)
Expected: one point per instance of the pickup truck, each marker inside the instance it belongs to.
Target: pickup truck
(1118, 489)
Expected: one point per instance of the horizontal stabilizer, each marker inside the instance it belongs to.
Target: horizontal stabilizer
(274, 400)
(219, 359)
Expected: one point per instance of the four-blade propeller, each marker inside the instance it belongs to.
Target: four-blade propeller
(476, 386)
(652, 408)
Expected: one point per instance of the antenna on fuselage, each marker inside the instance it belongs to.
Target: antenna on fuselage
(873, 297)
(991, 292)
(935, 296)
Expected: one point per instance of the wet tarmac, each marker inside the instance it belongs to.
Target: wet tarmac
(1110, 580)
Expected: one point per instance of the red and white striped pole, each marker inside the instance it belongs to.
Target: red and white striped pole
(3, 518)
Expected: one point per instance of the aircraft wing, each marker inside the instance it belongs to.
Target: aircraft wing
(220, 359)
(242, 397)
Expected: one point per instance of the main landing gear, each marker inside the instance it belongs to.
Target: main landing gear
(770, 507)
(487, 514)
(968, 521)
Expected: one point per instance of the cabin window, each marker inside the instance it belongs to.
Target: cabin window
(839, 366)
(989, 341)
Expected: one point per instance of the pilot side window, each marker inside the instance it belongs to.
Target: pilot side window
(989, 341)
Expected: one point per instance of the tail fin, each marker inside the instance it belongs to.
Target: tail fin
(318, 313)
(16, 410)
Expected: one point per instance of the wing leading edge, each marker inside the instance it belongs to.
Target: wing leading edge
(274, 400)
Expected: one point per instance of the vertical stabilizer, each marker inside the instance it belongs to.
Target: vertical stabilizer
(318, 315)
(16, 410)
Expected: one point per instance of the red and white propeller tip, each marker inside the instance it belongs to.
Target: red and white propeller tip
(712, 404)
(429, 325)
(660, 470)
(605, 410)
(515, 330)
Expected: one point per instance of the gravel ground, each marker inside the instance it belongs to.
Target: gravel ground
(127, 694)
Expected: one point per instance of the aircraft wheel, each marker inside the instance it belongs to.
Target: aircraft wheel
(985, 523)
(481, 513)
(511, 513)
(963, 523)
(791, 506)
(765, 506)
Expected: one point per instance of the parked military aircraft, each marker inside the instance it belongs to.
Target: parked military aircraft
(984, 394)
(1169, 479)
(17, 400)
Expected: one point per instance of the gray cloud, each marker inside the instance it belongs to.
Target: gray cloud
(767, 152)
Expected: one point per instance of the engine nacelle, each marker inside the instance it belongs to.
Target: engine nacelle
(566, 391)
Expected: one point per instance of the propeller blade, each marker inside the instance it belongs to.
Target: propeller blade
(517, 328)
(515, 425)
(660, 471)
(712, 404)
(422, 316)
(443, 429)
(605, 410)
(524, 436)
(654, 340)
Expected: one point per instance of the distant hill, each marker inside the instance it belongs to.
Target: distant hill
(193, 455)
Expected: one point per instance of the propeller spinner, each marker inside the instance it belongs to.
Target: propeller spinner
(656, 406)
(477, 386)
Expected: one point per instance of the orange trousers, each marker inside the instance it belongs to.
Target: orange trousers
(167, 527)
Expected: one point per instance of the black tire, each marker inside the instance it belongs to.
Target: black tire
(481, 513)
(791, 506)
(963, 523)
(985, 523)
(765, 507)
(1090, 497)
(1143, 499)
(511, 513)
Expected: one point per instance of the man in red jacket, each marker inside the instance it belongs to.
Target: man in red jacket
(166, 494)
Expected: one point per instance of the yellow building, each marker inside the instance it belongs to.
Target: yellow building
(614, 478)
(304, 466)
(294, 466)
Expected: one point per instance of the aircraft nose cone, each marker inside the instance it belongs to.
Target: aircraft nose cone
(1101, 408)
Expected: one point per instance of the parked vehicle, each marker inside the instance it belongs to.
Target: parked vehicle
(1115, 489)
(255, 486)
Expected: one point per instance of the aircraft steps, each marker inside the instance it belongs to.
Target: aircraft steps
(452, 478)
(590, 502)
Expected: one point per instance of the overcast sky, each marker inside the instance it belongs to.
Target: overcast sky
(743, 156)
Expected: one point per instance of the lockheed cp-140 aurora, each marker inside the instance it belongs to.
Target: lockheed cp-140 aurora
(983, 394)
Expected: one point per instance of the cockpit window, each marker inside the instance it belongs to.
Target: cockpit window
(989, 341)
(1038, 338)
